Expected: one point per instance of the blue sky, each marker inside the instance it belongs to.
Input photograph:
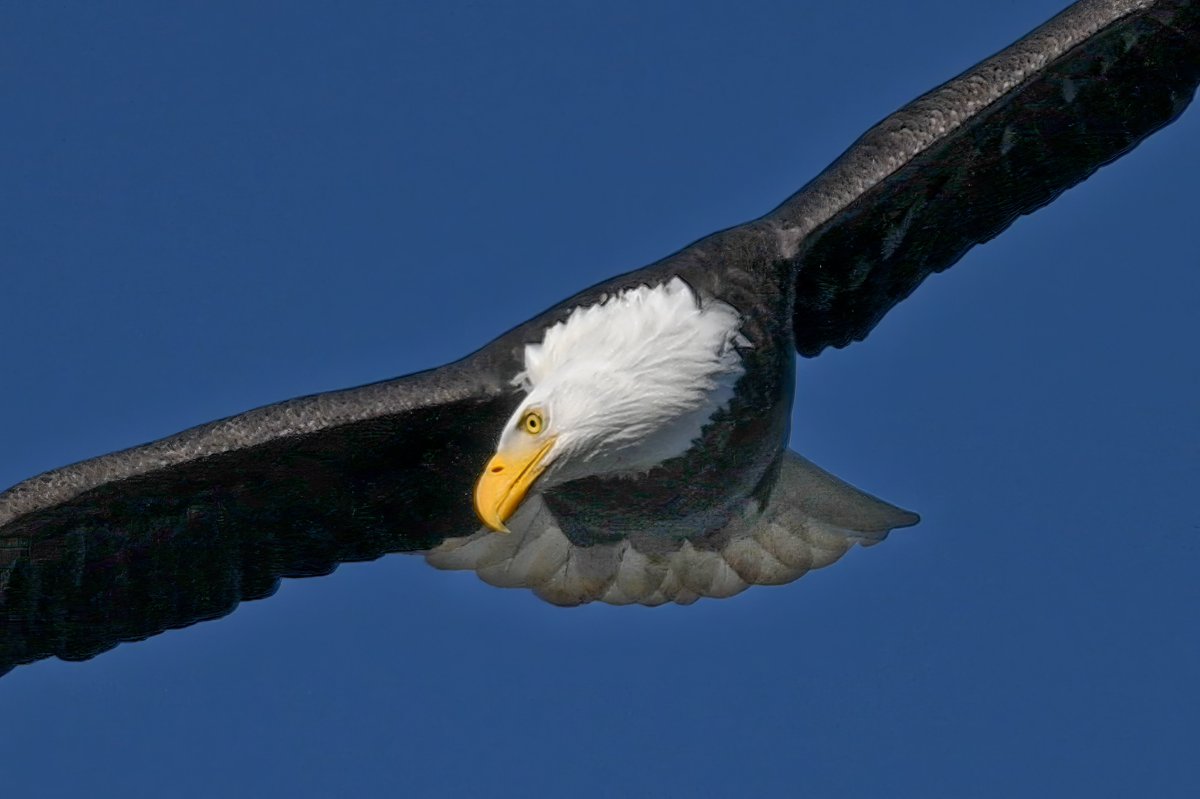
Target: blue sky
(208, 210)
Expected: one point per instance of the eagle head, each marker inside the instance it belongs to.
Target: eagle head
(614, 389)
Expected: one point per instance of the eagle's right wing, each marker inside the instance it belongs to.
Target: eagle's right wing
(122, 547)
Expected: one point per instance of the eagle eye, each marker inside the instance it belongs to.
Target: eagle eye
(532, 422)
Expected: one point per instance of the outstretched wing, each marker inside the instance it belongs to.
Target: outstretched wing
(125, 546)
(955, 167)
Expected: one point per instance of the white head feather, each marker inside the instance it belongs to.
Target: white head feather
(629, 382)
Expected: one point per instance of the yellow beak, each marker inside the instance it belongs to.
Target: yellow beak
(504, 483)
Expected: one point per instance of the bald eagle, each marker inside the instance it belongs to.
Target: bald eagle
(628, 445)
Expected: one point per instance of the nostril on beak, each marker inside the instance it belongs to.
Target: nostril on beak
(496, 469)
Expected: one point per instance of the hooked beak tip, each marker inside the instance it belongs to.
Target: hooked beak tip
(504, 484)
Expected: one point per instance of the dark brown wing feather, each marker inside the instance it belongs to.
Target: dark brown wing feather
(955, 167)
(149, 549)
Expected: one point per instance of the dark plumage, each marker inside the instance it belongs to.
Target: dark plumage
(124, 546)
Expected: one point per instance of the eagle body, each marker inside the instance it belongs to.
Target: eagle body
(725, 507)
